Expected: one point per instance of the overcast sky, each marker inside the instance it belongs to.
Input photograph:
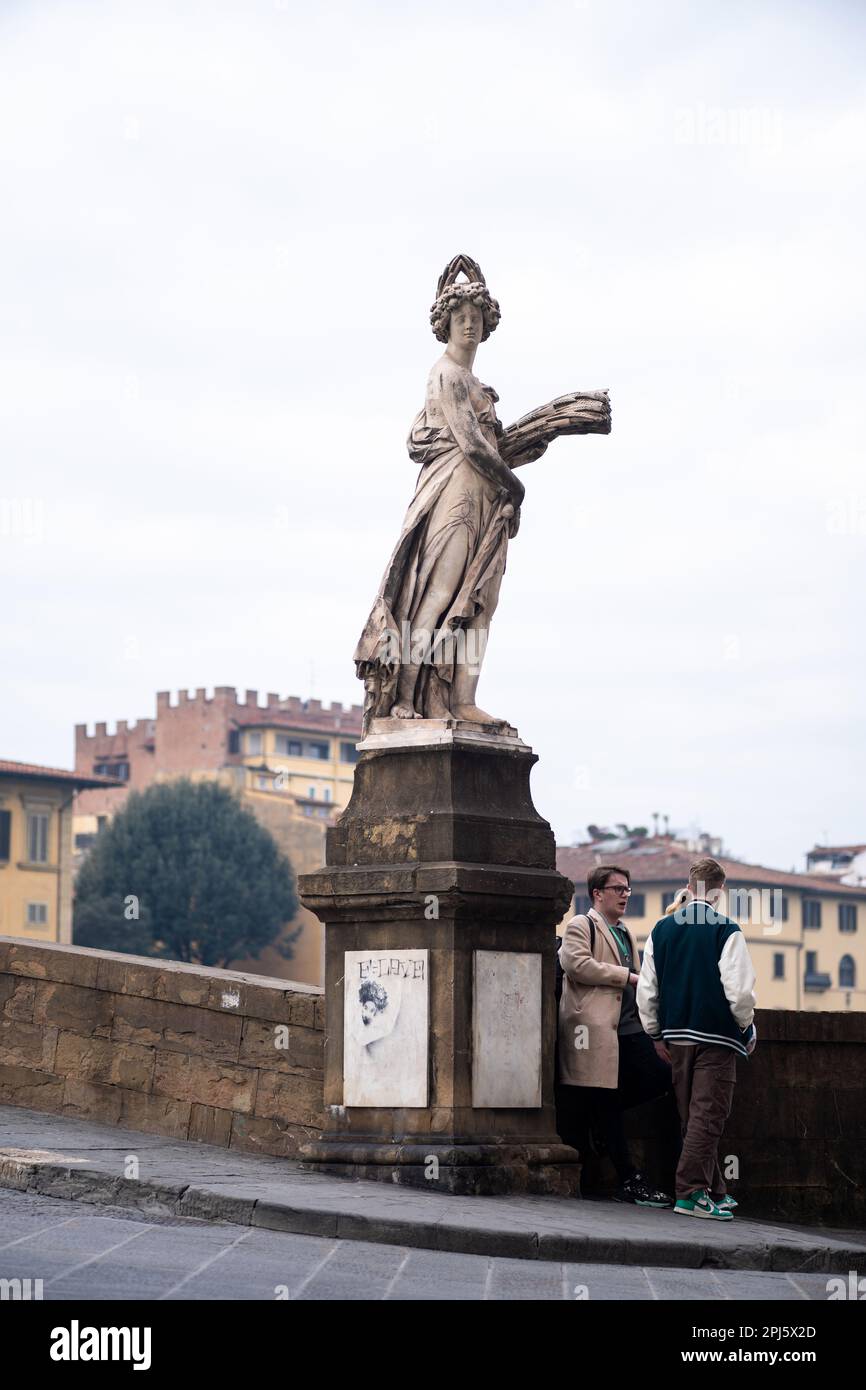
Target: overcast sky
(221, 233)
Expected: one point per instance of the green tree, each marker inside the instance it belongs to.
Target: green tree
(187, 873)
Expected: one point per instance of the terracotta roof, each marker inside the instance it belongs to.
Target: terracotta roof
(306, 722)
(55, 774)
(669, 863)
(822, 851)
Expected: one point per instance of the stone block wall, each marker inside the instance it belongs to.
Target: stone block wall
(799, 1118)
(188, 1052)
(797, 1129)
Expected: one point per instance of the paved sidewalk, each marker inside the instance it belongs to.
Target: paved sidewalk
(60, 1156)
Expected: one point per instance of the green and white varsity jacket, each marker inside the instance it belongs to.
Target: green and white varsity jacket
(697, 981)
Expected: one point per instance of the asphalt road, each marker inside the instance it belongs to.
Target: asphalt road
(81, 1251)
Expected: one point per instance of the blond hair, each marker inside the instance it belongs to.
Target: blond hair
(704, 873)
(679, 899)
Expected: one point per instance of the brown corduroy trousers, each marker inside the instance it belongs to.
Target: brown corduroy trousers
(703, 1078)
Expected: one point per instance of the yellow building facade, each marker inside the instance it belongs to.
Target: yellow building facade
(315, 769)
(36, 814)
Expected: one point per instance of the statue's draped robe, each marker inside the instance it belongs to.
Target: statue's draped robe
(450, 496)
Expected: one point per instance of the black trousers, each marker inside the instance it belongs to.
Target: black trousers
(643, 1075)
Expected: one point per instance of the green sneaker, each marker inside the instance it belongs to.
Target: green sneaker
(700, 1203)
(726, 1203)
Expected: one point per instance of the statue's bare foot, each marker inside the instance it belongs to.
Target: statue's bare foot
(402, 711)
(474, 715)
(437, 706)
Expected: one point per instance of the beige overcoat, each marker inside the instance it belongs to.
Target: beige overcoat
(591, 1003)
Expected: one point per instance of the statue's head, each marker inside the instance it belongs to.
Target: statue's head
(453, 293)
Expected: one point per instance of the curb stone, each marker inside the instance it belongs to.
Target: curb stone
(87, 1184)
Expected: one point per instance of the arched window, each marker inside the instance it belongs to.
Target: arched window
(847, 973)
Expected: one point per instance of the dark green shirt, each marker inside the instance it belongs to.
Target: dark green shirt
(629, 1019)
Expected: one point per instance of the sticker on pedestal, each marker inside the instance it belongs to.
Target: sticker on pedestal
(506, 1030)
(385, 1028)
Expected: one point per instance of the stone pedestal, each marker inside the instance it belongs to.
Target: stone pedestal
(440, 897)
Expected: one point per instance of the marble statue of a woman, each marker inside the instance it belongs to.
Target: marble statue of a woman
(420, 652)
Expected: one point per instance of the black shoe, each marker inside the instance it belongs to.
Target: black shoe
(597, 1145)
(640, 1191)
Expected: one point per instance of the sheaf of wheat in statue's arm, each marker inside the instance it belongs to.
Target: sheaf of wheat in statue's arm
(421, 649)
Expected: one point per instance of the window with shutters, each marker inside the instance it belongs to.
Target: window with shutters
(289, 747)
(37, 837)
(5, 834)
(847, 916)
(776, 905)
(811, 912)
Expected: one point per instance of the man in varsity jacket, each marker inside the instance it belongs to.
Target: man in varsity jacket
(696, 993)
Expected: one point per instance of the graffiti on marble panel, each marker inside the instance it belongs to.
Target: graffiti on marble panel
(385, 1028)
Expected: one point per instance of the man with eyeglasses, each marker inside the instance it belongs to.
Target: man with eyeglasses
(607, 1063)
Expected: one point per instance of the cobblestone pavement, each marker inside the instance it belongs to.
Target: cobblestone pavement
(114, 1253)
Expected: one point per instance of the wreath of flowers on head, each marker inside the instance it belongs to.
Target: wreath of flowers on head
(475, 291)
